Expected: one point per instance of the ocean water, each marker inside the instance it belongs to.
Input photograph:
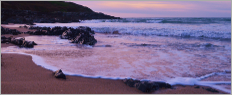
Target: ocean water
(186, 51)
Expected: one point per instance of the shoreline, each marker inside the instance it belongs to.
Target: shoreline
(21, 75)
(20, 71)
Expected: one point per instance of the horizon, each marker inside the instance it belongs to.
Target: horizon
(135, 9)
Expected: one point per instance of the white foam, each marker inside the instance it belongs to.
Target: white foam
(196, 81)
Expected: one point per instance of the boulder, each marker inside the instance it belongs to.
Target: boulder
(18, 42)
(146, 86)
(59, 74)
(80, 35)
(21, 42)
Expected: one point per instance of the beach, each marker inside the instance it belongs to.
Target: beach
(20, 75)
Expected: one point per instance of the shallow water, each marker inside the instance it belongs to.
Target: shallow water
(152, 58)
(175, 59)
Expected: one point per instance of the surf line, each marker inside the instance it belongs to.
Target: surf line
(174, 81)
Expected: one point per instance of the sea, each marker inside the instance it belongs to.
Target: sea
(176, 50)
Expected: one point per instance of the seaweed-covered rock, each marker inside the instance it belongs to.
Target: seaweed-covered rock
(59, 74)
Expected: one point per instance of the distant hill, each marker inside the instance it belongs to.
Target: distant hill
(47, 12)
(45, 6)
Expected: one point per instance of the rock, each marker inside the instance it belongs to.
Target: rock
(59, 74)
(162, 84)
(5, 39)
(18, 42)
(29, 44)
(80, 35)
(146, 86)
(9, 31)
(130, 82)
(197, 87)
(25, 26)
(115, 32)
(66, 34)
(21, 42)
(211, 90)
(15, 32)
(108, 46)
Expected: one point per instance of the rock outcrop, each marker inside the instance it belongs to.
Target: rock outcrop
(80, 35)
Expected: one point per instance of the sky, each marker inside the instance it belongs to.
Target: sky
(160, 8)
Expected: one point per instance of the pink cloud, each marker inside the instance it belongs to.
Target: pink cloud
(160, 8)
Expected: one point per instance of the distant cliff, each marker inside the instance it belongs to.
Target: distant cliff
(47, 12)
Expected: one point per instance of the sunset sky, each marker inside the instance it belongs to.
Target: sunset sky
(161, 8)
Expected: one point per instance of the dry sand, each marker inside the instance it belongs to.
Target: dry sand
(20, 75)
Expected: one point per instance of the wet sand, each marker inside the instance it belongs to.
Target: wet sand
(20, 75)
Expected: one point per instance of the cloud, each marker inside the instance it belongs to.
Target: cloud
(161, 8)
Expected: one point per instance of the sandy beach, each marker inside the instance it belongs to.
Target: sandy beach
(20, 75)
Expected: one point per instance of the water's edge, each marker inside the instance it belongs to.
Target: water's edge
(174, 81)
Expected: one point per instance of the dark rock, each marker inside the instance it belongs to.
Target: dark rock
(5, 39)
(108, 46)
(66, 34)
(18, 42)
(146, 86)
(80, 35)
(130, 82)
(21, 42)
(15, 32)
(197, 87)
(59, 74)
(25, 26)
(29, 44)
(211, 90)
(162, 84)
(9, 31)
(115, 32)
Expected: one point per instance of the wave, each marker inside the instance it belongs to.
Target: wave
(221, 35)
(176, 20)
(212, 28)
